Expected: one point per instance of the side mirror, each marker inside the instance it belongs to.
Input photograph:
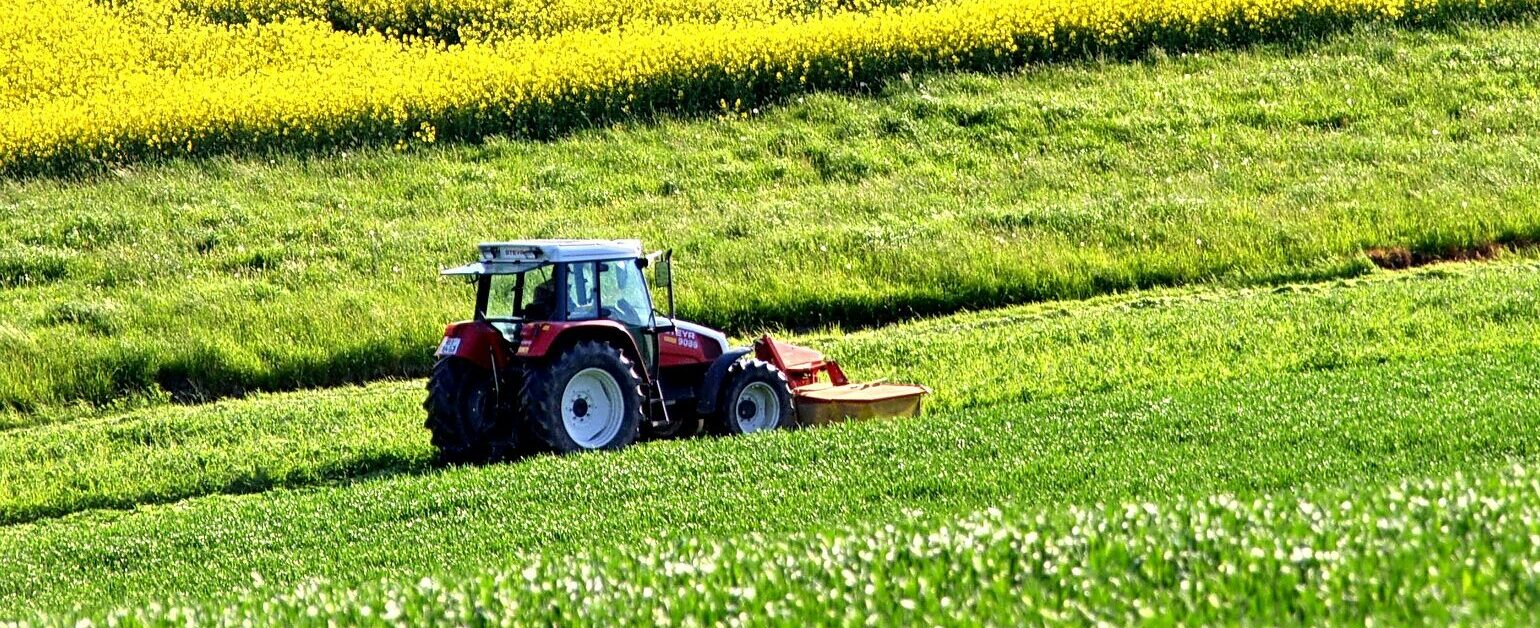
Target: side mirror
(663, 274)
(666, 277)
(662, 263)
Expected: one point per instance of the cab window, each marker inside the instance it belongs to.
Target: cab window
(623, 293)
(500, 298)
(534, 299)
(538, 301)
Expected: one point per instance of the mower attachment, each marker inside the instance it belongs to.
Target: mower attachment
(821, 402)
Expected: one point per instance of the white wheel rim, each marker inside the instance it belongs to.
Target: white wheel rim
(758, 408)
(592, 408)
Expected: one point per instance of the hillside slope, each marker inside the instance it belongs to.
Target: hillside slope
(1165, 339)
(1346, 384)
(203, 279)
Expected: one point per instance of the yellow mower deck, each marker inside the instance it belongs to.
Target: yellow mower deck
(821, 403)
(837, 399)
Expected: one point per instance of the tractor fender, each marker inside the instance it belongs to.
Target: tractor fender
(476, 341)
(711, 385)
(541, 340)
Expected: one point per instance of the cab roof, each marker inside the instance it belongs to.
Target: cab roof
(516, 256)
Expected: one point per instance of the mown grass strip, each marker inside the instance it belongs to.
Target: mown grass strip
(1160, 340)
(1455, 549)
(166, 454)
(1250, 435)
(204, 279)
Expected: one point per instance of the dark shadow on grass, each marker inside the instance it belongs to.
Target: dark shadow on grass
(1403, 257)
(338, 473)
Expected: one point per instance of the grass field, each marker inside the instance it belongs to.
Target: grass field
(1139, 261)
(362, 501)
(1458, 549)
(1356, 426)
(975, 361)
(197, 280)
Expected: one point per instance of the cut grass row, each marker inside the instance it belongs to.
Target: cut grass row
(1164, 339)
(1260, 426)
(1453, 550)
(198, 280)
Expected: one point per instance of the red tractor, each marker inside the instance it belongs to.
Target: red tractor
(568, 352)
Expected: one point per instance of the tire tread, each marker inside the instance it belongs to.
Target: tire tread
(723, 421)
(540, 396)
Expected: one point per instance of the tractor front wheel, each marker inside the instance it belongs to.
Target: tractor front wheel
(589, 397)
(463, 415)
(756, 397)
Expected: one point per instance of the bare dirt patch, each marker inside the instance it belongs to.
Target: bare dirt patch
(1402, 258)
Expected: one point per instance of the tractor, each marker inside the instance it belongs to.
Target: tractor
(567, 351)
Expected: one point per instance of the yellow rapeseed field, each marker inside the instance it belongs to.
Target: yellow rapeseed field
(91, 83)
(486, 20)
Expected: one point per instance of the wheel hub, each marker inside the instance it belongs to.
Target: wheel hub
(592, 408)
(758, 408)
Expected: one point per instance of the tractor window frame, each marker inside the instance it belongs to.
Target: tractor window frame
(568, 308)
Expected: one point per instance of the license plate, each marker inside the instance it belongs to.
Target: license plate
(450, 346)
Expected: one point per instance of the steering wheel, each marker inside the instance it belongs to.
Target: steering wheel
(627, 312)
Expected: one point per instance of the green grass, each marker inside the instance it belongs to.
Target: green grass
(1164, 339)
(1347, 426)
(1453, 550)
(202, 279)
(1406, 406)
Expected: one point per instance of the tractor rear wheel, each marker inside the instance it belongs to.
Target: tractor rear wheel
(589, 397)
(463, 414)
(756, 397)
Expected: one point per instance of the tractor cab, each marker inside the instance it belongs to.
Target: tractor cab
(545, 282)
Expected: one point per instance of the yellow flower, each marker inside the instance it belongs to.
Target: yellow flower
(118, 81)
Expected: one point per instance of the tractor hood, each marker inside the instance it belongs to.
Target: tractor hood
(702, 331)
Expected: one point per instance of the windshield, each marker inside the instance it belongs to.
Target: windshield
(624, 293)
(530, 295)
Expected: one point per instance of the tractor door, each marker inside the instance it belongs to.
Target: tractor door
(623, 298)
